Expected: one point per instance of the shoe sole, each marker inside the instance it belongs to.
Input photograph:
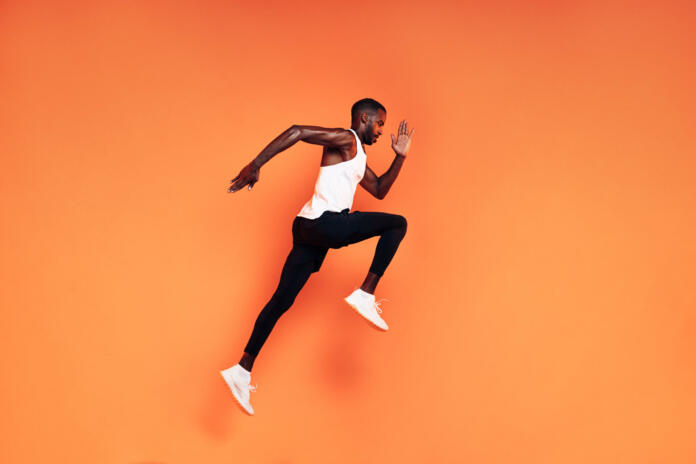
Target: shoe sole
(236, 401)
(369, 322)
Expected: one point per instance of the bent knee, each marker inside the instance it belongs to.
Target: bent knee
(403, 224)
(400, 223)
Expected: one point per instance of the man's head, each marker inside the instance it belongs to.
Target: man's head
(367, 118)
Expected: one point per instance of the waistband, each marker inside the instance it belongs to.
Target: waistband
(343, 211)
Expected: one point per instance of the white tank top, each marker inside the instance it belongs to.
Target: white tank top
(336, 184)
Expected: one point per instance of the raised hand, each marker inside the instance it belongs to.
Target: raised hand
(402, 142)
(248, 175)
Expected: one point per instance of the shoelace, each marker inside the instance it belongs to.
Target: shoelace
(379, 310)
(250, 386)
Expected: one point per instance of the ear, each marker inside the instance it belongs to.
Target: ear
(364, 117)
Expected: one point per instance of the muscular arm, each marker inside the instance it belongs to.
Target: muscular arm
(310, 134)
(249, 175)
(379, 186)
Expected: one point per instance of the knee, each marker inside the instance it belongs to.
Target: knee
(401, 222)
(398, 228)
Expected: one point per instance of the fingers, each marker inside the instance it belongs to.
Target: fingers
(241, 183)
(233, 187)
(403, 128)
(236, 186)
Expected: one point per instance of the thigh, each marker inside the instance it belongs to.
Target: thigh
(364, 225)
(336, 230)
(302, 259)
(326, 231)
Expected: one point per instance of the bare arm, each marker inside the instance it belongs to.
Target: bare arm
(310, 134)
(379, 186)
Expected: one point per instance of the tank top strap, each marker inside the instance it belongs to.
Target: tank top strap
(360, 147)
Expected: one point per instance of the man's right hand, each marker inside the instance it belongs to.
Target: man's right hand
(248, 175)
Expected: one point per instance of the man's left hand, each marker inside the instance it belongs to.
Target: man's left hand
(402, 142)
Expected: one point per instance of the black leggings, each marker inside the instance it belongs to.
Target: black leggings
(312, 239)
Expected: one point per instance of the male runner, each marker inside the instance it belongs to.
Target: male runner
(325, 222)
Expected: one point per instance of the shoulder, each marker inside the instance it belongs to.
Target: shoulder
(345, 135)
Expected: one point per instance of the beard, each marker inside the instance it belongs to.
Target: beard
(372, 138)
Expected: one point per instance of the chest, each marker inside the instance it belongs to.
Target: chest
(352, 170)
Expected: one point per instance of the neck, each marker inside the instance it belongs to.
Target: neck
(357, 131)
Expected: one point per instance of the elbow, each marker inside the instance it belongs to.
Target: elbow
(295, 132)
(380, 193)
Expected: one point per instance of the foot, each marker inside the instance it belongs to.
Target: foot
(238, 380)
(364, 304)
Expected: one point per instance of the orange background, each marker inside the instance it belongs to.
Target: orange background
(541, 305)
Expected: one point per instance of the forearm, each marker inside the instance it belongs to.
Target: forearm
(387, 179)
(285, 140)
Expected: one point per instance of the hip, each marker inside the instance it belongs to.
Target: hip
(324, 229)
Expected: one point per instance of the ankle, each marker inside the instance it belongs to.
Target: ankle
(247, 362)
(370, 283)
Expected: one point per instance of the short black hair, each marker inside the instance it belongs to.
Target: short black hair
(366, 104)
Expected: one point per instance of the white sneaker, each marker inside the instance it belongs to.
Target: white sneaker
(237, 378)
(364, 304)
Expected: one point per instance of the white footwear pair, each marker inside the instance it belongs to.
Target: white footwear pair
(238, 380)
(364, 304)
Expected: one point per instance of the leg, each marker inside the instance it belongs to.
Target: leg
(370, 282)
(390, 227)
(339, 229)
(302, 261)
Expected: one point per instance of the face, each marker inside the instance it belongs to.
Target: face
(373, 127)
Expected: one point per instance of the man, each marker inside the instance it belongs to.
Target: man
(326, 222)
